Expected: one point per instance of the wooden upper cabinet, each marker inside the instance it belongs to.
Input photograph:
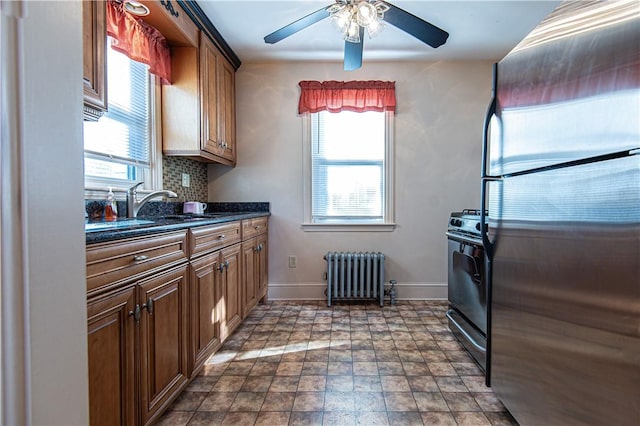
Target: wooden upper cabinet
(94, 51)
(227, 109)
(172, 21)
(209, 61)
(198, 109)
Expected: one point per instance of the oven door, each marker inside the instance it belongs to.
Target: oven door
(467, 290)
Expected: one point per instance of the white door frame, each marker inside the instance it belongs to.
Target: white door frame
(14, 389)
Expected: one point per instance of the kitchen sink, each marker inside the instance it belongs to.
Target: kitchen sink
(126, 223)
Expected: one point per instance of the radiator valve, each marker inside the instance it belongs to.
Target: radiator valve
(391, 292)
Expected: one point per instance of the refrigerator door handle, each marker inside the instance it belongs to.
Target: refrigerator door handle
(485, 177)
(484, 229)
(491, 111)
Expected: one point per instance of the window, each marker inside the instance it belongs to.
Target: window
(349, 171)
(118, 146)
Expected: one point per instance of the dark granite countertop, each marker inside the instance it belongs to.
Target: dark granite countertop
(98, 231)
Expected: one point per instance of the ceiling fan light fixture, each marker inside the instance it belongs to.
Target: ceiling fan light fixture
(366, 14)
(341, 19)
(353, 33)
(350, 16)
(374, 29)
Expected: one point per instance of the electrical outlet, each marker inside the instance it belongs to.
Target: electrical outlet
(293, 261)
(186, 180)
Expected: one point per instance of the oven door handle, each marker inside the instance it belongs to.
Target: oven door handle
(474, 262)
(465, 334)
(475, 273)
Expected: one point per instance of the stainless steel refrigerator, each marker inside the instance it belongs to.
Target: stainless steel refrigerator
(561, 182)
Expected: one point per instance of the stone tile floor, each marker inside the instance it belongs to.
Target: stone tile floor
(303, 363)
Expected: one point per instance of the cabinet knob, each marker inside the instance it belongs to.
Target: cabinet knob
(140, 258)
(135, 313)
(149, 306)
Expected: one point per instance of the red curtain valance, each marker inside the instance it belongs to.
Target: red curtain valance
(337, 96)
(139, 41)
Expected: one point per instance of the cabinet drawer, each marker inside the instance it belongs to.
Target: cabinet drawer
(114, 263)
(207, 238)
(253, 227)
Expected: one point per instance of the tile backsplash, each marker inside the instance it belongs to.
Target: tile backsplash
(172, 170)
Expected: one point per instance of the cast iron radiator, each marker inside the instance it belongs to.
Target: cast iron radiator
(355, 276)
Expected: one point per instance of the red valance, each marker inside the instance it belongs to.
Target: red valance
(139, 41)
(337, 96)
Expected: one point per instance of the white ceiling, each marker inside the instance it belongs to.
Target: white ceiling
(478, 29)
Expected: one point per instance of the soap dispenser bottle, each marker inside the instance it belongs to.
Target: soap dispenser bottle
(111, 209)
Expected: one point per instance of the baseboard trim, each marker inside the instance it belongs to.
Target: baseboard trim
(315, 291)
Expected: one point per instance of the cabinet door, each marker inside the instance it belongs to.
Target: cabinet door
(94, 49)
(163, 339)
(230, 286)
(205, 322)
(111, 351)
(262, 262)
(227, 110)
(249, 283)
(210, 98)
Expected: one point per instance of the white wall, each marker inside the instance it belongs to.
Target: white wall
(438, 130)
(52, 206)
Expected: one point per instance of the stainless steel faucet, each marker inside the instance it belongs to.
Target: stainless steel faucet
(133, 206)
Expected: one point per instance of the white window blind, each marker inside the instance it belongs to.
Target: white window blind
(118, 144)
(348, 167)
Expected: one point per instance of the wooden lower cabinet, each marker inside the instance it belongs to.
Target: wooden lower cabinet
(254, 272)
(261, 273)
(215, 302)
(249, 284)
(145, 325)
(163, 339)
(156, 315)
(111, 341)
(231, 304)
(205, 321)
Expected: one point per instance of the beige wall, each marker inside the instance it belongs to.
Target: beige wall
(51, 204)
(438, 128)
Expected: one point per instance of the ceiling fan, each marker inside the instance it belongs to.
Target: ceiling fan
(353, 17)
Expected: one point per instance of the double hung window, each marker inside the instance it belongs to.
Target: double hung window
(349, 176)
(348, 162)
(117, 147)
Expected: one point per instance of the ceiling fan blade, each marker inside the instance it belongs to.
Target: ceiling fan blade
(411, 24)
(296, 26)
(353, 53)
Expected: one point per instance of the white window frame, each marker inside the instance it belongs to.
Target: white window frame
(96, 188)
(352, 225)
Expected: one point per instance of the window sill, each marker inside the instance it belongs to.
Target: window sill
(348, 227)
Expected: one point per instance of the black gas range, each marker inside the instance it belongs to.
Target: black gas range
(468, 284)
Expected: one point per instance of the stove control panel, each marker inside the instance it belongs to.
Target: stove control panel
(465, 222)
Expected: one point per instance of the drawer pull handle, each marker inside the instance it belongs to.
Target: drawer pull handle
(140, 258)
(222, 237)
(256, 227)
